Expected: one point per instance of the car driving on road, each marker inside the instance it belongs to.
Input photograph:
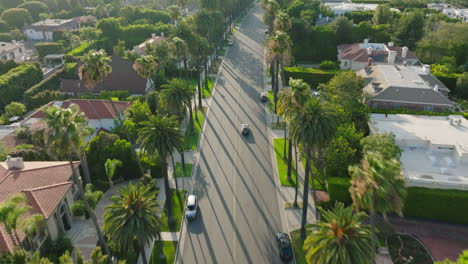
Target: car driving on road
(263, 97)
(285, 248)
(245, 129)
(191, 208)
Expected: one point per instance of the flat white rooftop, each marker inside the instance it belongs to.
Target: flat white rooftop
(403, 76)
(434, 148)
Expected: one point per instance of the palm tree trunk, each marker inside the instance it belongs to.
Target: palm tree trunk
(78, 184)
(84, 162)
(174, 173)
(185, 67)
(182, 159)
(200, 104)
(305, 198)
(372, 222)
(167, 190)
(297, 180)
(142, 251)
(191, 125)
(161, 252)
(285, 140)
(290, 160)
(314, 194)
(272, 74)
(206, 74)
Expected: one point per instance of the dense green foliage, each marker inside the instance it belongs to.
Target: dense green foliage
(46, 48)
(35, 8)
(15, 82)
(5, 66)
(311, 76)
(17, 17)
(78, 51)
(359, 16)
(338, 189)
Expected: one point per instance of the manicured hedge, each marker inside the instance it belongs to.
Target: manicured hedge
(310, 75)
(338, 189)
(449, 81)
(46, 48)
(5, 66)
(78, 51)
(435, 204)
(14, 83)
(136, 34)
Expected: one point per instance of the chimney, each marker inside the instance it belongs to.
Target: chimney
(370, 61)
(366, 40)
(404, 52)
(153, 35)
(436, 88)
(369, 51)
(390, 44)
(162, 34)
(14, 163)
(391, 57)
(426, 69)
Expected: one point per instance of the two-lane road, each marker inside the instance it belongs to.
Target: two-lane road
(239, 212)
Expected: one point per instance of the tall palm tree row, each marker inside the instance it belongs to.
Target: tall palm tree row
(146, 66)
(340, 237)
(314, 126)
(378, 186)
(132, 216)
(65, 137)
(162, 134)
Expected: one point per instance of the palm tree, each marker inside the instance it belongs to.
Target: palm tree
(65, 136)
(175, 97)
(111, 165)
(146, 66)
(31, 224)
(279, 56)
(179, 49)
(290, 101)
(161, 135)
(132, 216)
(378, 186)
(200, 51)
(314, 126)
(340, 238)
(282, 22)
(174, 13)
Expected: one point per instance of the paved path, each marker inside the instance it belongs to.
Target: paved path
(239, 212)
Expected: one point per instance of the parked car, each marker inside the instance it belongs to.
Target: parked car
(230, 43)
(263, 97)
(191, 207)
(266, 31)
(245, 129)
(285, 248)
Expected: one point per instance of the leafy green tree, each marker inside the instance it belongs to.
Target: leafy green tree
(11, 3)
(132, 216)
(383, 15)
(17, 17)
(92, 196)
(462, 259)
(138, 112)
(343, 28)
(340, 237)
(179, 49)
(314, 126)
(90, 33)
(110, 28)
(64, 137)
(35, 8)
(161, 135)
(146, 66)
(378, 186)
(4, 27)
(410, 29)
(384, 144)
(111, 165)
(174, 13)
(16, 34)
(462, 86)
(15, 109)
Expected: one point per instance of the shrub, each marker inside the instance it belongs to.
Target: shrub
(338, 189)
(17, 17)
(309, 75)
(23, 132)
(72, 55)
(46, 48)
(328, 65)
(4, 27)
(24, 146)
(442, 205)
(136, 34)
(78, 208)
(6, 37)
(14, 109)
(54, 249)
(14, 83)
(32, 154)
(5, 66)
(53, 81)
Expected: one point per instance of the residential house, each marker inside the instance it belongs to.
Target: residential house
(122, 78)
(13, 51)
(457, 13)
(409, 87)
(155, 39)
(340, 8)
(101, 114)
(434, 148)
(356, 56)
(50, 192)
(131, 2)
(43, 30)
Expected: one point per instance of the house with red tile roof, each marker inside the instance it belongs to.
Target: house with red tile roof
(50, 192)
(100, 113)
(155, 39)
(122, 78)
(358, 55)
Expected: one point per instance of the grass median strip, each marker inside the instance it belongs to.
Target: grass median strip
(178, 203)
(169, 249)
(282, 163)
(191, 138)
(179, 171)
(298, 244)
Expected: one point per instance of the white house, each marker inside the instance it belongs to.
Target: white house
(50, 192)
(457, 13)
(434, 148)
(100, 113)
(13, 51)
(43, 30)
(358, 55)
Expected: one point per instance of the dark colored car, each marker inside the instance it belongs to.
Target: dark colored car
(263, 97)
(285, 248)
(245, 129)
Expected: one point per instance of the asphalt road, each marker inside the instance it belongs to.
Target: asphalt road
(239, 212)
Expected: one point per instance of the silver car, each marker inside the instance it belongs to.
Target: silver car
(191, 207)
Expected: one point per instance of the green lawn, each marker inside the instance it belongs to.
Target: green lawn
(169, 249)
(207, 92)
(178, 170)
(191, 139)
(271, 101)
(298, 244)
(282, 163)
(178, 203)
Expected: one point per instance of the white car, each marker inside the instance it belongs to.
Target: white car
(191, 207)
(230, 43)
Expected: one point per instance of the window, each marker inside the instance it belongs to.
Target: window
(12, 55)
(4, 57)
(345, 63)
(20, 50)
(396, 106)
